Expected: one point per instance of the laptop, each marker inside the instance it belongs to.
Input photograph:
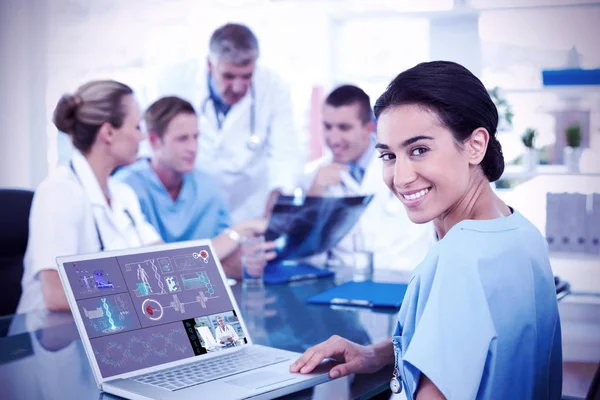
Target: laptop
(148, 319)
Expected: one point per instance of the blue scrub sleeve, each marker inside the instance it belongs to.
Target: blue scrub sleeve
(454, 333)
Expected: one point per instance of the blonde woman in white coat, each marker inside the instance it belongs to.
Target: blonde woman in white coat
(79, 208)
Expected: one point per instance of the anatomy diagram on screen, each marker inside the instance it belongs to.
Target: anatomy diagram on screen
(148, 279)
(168, 284)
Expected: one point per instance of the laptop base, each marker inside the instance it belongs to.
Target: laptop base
(263, 383)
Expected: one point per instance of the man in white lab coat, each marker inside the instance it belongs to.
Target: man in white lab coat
(247, 136)
(353, 167)
(225, 333)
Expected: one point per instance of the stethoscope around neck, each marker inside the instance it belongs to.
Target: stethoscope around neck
(254, 141)
(100, 241)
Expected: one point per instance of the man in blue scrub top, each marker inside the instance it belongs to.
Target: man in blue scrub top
(179, 200)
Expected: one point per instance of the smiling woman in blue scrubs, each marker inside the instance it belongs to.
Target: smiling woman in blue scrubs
(480, 317)
(179, 200)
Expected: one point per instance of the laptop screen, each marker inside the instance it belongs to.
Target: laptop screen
(152, 308)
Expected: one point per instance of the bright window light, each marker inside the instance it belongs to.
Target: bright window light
(401, 5)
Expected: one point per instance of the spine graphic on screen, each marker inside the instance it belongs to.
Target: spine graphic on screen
(139, 349)
(200, 298)
(154, 310)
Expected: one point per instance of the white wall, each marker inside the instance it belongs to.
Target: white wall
(48, 48)
(455, 37)
(23, 161)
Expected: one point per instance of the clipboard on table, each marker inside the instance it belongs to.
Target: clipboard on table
(286, 272)
(363, 294)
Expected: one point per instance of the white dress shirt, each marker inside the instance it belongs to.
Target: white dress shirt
(384, 228)
(70, 215)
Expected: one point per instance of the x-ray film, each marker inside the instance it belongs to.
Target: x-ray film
(304, 227)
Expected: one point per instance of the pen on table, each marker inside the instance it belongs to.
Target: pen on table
(352, 302)
(303, 276)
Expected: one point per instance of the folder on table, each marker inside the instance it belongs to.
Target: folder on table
(285, 272)
(363, 294)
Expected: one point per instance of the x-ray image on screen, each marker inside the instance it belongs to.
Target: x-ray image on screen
(315, 225)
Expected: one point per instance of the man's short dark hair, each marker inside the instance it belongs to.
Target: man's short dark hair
(347, 95)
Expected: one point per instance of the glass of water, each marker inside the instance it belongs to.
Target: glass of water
(253, 261)
(363, 266)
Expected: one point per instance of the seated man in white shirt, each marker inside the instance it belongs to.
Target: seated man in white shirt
(352, 168)
(225, 333)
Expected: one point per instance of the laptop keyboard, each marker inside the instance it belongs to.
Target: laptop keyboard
(184, 376)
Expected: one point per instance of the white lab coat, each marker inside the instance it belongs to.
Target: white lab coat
(246, 176)
(223, 334)
(66, 206)
(384, 228)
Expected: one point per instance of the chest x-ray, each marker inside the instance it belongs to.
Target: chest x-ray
(314, 225)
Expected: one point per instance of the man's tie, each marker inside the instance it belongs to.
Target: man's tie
(356, 172)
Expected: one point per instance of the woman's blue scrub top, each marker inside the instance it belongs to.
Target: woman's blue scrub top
(480, 316)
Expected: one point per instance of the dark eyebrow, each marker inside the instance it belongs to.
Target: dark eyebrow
(412, 140)
(406, 143)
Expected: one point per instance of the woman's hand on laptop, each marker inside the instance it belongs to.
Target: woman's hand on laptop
(354, 358)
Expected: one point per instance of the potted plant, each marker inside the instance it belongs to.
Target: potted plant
(572, 152)
(531, 158)
(505, 113)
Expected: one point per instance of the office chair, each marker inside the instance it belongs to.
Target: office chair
(594, 390)
(14, 230)
(563, 288)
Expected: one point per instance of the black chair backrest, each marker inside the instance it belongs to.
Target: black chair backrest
(594, 390)
(14, 229)
(563, 288)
